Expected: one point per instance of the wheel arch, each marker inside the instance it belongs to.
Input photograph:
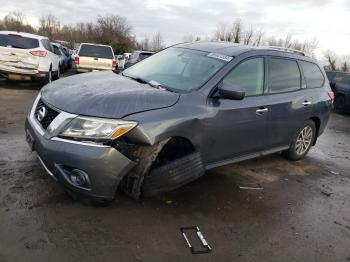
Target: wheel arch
(317, 122)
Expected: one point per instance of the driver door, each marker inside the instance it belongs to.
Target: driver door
(238, 128)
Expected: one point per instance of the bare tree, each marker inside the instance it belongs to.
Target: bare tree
(49, 26)
(258, 38)
(236, 31)
(16, 21)
(157, 42)
(144, 44)
(344, 66)
(248, 36)
(188, 38)
(221, 32)
(331, 60)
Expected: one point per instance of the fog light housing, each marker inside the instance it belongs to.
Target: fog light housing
(79, 178)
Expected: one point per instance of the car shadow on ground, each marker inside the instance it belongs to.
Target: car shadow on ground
(20, 85)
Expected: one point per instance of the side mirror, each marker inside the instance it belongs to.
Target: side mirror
(233, 92)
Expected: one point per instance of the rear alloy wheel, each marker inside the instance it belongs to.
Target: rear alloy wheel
(340, 104)
(302, 142)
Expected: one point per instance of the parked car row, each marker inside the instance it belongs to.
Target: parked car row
(340, 84)
(31, 57)
(65, 56)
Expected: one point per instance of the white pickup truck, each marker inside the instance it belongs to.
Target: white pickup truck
(94, 57)
(26, 56)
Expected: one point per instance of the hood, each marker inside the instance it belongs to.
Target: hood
(105, 94)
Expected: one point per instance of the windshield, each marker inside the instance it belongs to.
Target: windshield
(17, 41)
(177, 68)
(96, 51)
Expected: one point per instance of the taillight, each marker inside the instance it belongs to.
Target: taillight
(76, 60)
(40, 53)
(114, 64)
(331, 95)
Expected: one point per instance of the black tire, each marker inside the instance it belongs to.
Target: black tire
(294, 152)
(340, 104)
(49, 77)
(56, 75)
(61, 69)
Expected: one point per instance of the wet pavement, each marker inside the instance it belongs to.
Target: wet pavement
(301, 214)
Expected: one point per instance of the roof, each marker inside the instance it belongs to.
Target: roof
(145, 52)
(23, 34)
(95, 44)
(233, 49)
(225, 48)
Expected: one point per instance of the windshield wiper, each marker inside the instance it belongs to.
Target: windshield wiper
(138, 79)
(157, 85)
(151, 83)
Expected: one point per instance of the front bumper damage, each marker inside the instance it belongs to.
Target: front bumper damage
(104, 165)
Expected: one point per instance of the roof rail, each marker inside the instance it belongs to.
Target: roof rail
(286, 49)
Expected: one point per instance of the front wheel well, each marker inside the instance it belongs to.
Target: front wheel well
(317, 122)
(175, 148)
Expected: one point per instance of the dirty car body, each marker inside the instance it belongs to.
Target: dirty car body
(164, 128)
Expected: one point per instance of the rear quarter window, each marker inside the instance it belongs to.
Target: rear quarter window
(17, 41)
(284, 75)
(312, 73)
(96, 51)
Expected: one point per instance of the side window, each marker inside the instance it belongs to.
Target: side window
(284, 75)
(312, 73)
(249, 75)
(51, 48)
(47, 45)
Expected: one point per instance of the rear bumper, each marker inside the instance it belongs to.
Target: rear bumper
(20, 76)
(104, 165)
(89, 69)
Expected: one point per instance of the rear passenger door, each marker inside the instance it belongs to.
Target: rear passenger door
(289, 101)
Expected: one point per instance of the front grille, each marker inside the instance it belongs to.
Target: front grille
(49, 116)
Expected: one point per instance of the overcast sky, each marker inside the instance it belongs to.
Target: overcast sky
(327, 20)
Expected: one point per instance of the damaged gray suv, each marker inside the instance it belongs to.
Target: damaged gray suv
(166, 120)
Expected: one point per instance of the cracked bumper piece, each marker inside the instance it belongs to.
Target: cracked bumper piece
(103, 167)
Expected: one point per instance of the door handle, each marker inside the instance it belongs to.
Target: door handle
(261, 111)
(306, 103)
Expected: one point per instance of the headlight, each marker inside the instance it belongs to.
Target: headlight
(91, 128)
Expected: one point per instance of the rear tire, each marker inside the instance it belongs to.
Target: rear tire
(48, 79)
(302, 142)
(56, 75)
